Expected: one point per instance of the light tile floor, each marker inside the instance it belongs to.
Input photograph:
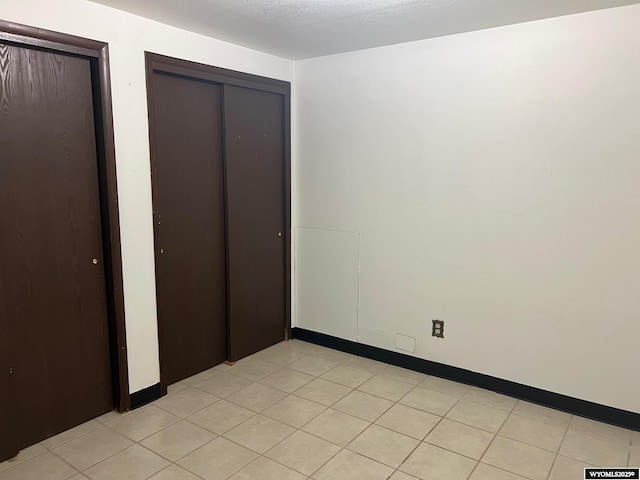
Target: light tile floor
(298, 411)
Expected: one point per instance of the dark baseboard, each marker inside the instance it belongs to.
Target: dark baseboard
(146, 395)
(583, 408)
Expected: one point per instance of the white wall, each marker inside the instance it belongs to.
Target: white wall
(493, 177)
(128, 37)
(495, 180)
(327, 281)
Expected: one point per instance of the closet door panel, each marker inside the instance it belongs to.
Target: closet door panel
(189, 225)
(254, 162)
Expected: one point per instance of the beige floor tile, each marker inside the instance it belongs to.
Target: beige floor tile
(347, 375)
(202, 376)
(246, 359)
(431, 462)
(601, 430)
(259, 433)
(179, 439)
(22, 456)
(478, 415)
(256, 397)
(386, 387)
(398, 475)
(542, 414)
(288, 395)
(383, 445)
(362, 405)
(323, 392)
(351, 466)
(278, 347)
(300, 346)
(223, 385)
(176, 387)
(403, 374)
(303, 452)
(287, 380)
(313, 365)
(333, 355)
(143, 422)
(367, 364)
(254, 369)
(71, 434)
(221, 416)
(493, 399)
(89, 449)
(174, 472)
(294, 411)
(534, 433)
(635, 439)
(519, 458)
(134, 463)
(109, 417)
(218, 459)
(487, 472)
(408, 421)
(264, 469)
(634, 457)
(567, 469)
(594, 450)
(445, 386)
(429, 401)
(336, 427)
(281, 356)
(460, 438)
(186, 402)
(221, 368)
(44, 466)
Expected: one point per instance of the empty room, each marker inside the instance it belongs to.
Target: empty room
(319, 239)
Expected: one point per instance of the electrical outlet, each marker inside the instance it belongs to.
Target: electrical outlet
(437, 328)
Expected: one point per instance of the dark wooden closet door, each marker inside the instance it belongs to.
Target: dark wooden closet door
(10, 442)
(53, 284)
(254, 154)
(189, 225)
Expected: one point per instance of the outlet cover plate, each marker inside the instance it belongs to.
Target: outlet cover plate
(437, 328)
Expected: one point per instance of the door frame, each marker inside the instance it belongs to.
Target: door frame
(160, 63)
(98, 54)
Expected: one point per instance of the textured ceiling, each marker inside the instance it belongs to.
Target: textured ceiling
(299, 29)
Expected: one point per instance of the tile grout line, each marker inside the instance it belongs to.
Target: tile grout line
(31, 458)
(420, 443)
(564, 436)
(259, 455)
(263, 454)
(478, 460)
(172, 464)
(490, 444)
(63, 460)
(51, 450)
(310, 420)
(373, 376)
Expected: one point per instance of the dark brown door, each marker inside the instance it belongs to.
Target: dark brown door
(254, 155)
(10, 442)
(53, 282)
(189, 225)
